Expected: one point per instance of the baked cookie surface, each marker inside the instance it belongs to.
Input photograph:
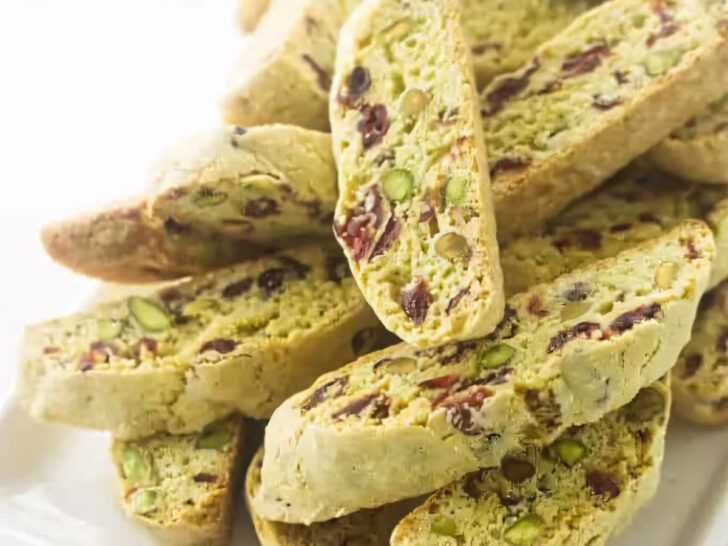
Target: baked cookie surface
(567, 353)
(415, 213)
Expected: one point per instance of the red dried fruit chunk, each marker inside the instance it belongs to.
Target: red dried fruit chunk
(459, 408)
(589, 239)
(204, 477)
(516, 470)
(149, 344)
(261, 207)
(509, 164)
(358, 82)
(534, 307)
(584, 62)
(356, 406)
(322, 77)
(416, 300)
(471, 485)
(627, 320)
(578, 292)
(220, 345)
(427, 213)
(365, 218)
(237, 288)
(391, 234)
(692, 252)
(271, 280)
(453, 303)
(441, 382)
(170, 295)
(668, 26)
(602, 484)
(508, 88)
(51, 350)
(618, 228)
(582, 330)
(600, 103)
(373, 125)
(173, 227)
(331, 389)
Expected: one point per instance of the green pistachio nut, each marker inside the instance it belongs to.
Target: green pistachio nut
(452, 246)
(108, 329)
(413, 102)
(444, 526)
(398, 184)
(455, 191)
(144, 501)
(135, 468)
(570, 451)
(215, 439)
(150, 315)
(497, 355)
(525, 531)
(661, 61)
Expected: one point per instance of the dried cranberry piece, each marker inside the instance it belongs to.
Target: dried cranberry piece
(220, 345)
(240, 130)
(85, 364)
(618, 228)
(427, 214)
(509, 164)
(453, 303)
(237, 288)
(373, 125)
(442, 382)
(391, 234)
(355, 235)
(534, 307)
(516, 470)
(600, 103)
(271, 280)
(459, 409)
(322, 76)
(584, 62)
(416, 300)
(356, 406)
(578, 292)
(99, 352)
(204, 477)
(471, 485)
(149, 344)
(358, 82)
(51, 350)
(589, 239)
(261, 207)
(627, 320)
(331, 389)
(170, 295)
(508, 88)
(692, 252)
(602, 484)
(582, 330)
(668, 26)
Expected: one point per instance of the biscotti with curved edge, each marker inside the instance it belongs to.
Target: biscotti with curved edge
(568, 353)
(415, 212)
(579, 491)
(243, 338)
(285, 74)
(250, 12)
(183, 488)
(697, 150)
(363, 528)
(635, 206)
(700, 378)
(602, 92)
(225, 197)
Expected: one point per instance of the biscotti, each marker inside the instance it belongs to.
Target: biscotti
(242, 338)
(183, 488)
(227, 196)
(250, 12)
(605, 90)
(415, 212)
(579, 491)
(636, 206)
(697, 150)
(363, 528)
(700, 379)
(568, 353)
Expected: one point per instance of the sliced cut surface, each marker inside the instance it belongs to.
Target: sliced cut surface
(696, 151)
(700, 379)
(243, 338)
(614, 83)
(183, 488)
(224, 197)
(567, 353)
(363, 528)
(636, 206)
(578, 491)
(415, 212)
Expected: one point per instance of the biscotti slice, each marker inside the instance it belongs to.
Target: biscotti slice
(700, 380)
(250, 12)
(227, 196)
(242, 338)
(578, 491)
(363, 528)
(415, 212)
(697, 150)
(183, 488)
(285, 74)
(635, 206)
(605, 90)
(568, 353)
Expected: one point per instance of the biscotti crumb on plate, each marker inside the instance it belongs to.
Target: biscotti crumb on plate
(578, 491)
(567, 353)
(243, 338)
(224, 197)
(697, 150)
(183, 488)
(614, 83)
(415, 213)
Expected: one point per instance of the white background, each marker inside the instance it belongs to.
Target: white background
(92, 92)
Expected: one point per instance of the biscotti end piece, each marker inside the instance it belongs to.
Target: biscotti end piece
(568, 353)
(183, 487)
(250, 13)
(363, 528)
(415, 214)
(700, 378)
(578, 491)
(243, 338)
(697, 150)
(602, 92)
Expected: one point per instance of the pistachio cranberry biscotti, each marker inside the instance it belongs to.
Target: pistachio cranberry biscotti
(243, 338)
(568, 353)
(415, 212)
(635, 206)
(578, 491)
(183, 488)
(697, 150)
(602, 92)
(700, 379)
(226, 196)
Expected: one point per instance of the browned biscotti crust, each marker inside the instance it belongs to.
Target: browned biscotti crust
(250, 13)
(701, 159)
